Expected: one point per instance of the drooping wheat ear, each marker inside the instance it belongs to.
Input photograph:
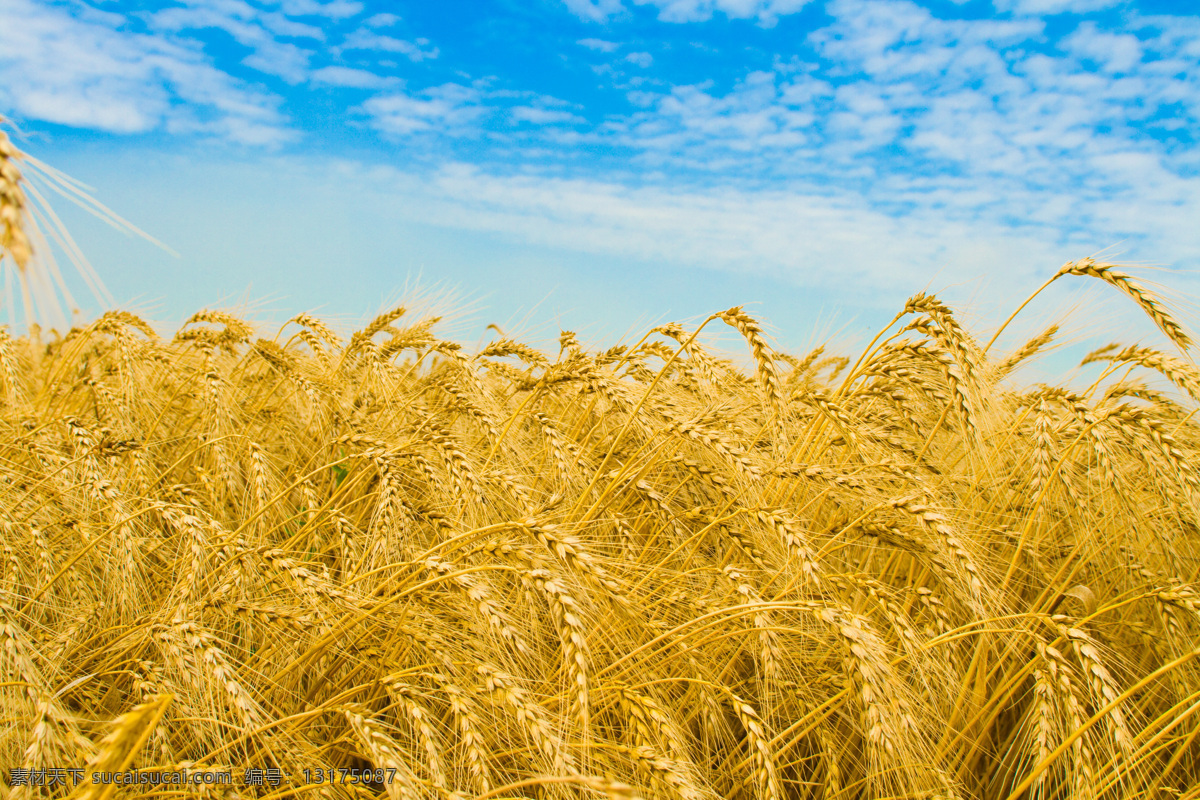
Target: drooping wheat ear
(316, 589)
(530, 716)
(417, 336)
(666, 774)
(766, 370)
(948, 541)
(1096, 432)
(385, 752)
(387, 519)
(694, 429)
(566, 613)
(196, 652)
(462, 475)
(1105, 690)
(287, 365)
(891, 610)
(43, 748)
(570, 550)
(759, 745)
(13, 205)
(1046, 735)
(1150, 304)
(883, 718)
(789, 529)
(407, 697)
(260, 472)
(1043, 445)
(1141, 425)
(479, 593)
(744, 545)
(191, 529)
(236, 331)
(362, 340)
(1073, 712)
(118, 749)
(470, 731)
(770, 652)
(1027, 351)
(833, 770)
(700, 364)
(557, 447)
(653, 725)
(8, 363)
(510, 347)
(836, 413)
(468, 402)
(1183, 375)
(318, 327)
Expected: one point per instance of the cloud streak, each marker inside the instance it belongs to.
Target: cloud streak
(831, 240)
(83, 71)
(765, 12)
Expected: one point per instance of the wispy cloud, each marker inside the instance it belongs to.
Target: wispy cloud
(834, 240)
(333, 9)
(417, 50)
(594, 10)
(917, 113)
(885, 127)
(260, 30)
(450, 110)
(1046, 7)
(84, 70)
(766, 12)
(599, 44)
(382, 20)
(350, 77)
(543, 116)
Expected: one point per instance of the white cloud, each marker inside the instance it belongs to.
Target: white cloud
(247, 24)
(371, 41)
(543, 116)
(1047, 7)
(891, 120)
(766, 12)
(251, 27)
(85, 71)
(921, 116)
(1113, 52)
(448, 110)
(689, 122)
(817, 235)
(598, 44)
(381, 20)
(349, 77)
(282, 60)
(594, 10)
(335, 9)
(917, 93)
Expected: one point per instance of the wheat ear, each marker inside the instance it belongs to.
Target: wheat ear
(1150, 304)
(118, 749)
(13, 205)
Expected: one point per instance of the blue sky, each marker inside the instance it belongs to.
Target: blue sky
(605, 164)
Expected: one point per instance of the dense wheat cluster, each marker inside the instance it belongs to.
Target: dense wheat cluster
(634, 572)
(640, 572)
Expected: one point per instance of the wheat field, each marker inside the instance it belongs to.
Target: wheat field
(384, 564)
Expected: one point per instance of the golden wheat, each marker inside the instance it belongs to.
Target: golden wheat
(588, 572)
